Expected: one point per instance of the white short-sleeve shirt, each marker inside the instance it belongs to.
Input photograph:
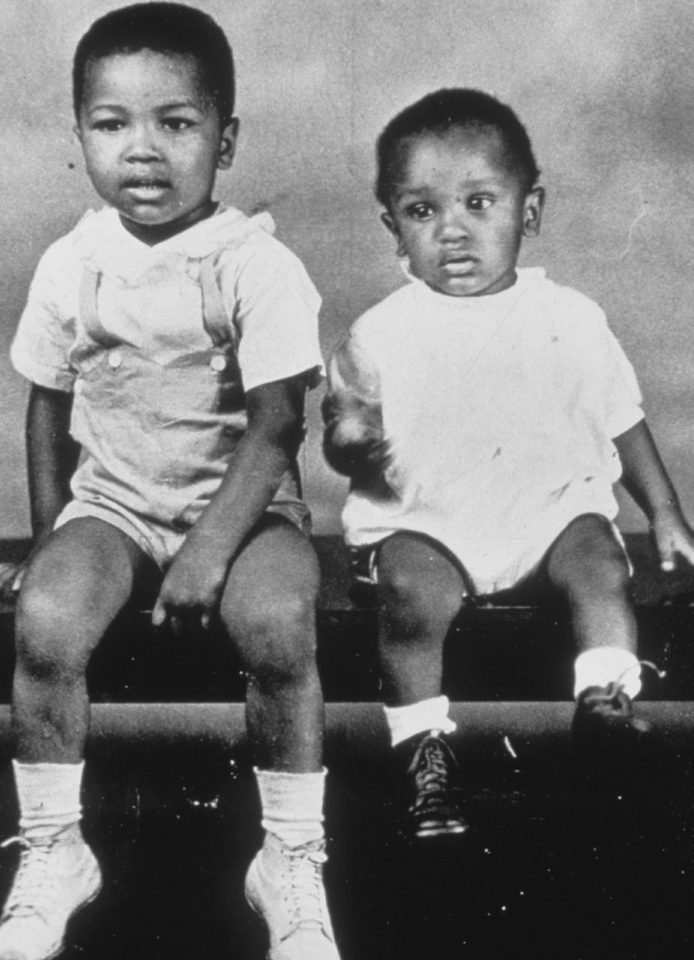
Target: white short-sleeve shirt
(499, 412)
(159, 403)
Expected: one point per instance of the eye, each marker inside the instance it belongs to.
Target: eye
(478, 203)
(108, 125)
(419, 211)
(177, 124)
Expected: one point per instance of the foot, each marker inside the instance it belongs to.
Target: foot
(284, 885)
(433, 811)
(614, 751)
(605, 716)
(56, 876)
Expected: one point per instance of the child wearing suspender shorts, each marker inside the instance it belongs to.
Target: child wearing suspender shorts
(169, 341)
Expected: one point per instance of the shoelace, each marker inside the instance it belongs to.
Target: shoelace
(614, 691)
(613, 696)
(430, 764)
(33, 879)
(306, 886)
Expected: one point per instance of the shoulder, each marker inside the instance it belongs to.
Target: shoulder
(379, 320)
(244, 239)
(561, 297)
(59, 269)
(254, 260)
(567, 311)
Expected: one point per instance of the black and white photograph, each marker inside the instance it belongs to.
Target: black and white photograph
(347, 488)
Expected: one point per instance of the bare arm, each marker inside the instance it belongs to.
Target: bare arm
(647, 480)
(275, 432)
(52, 456)
(353, 442)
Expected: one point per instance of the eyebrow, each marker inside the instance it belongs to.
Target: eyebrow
(174, 105)
(470, 187)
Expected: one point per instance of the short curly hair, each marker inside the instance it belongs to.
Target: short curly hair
(172, 28)
(439, 112)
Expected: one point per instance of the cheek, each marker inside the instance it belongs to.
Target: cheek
(421, 244)
(98, 160)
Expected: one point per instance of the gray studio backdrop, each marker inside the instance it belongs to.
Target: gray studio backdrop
(606, 90)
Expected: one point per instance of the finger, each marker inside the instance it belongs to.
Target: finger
(158, 613)
(687, 553)
(667, 558)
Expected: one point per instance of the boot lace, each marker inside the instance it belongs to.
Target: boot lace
(35, 882)
(430, 766)
(307, 903)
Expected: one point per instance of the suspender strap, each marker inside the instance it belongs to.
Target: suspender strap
(89, 315)
(214, 316)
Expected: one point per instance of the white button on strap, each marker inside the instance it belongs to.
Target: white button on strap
(115, 358)
(218, 363)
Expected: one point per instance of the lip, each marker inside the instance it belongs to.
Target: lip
(461, 263)
(146, 189)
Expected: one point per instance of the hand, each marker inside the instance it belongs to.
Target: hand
(11, 576)
(191, 589)
(673, 538)
(354, 440)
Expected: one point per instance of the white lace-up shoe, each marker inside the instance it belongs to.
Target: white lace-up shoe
(57, 875)
(284, 885)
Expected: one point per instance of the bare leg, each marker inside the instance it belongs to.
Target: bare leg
(72, 591)
(420, 592)
(268, 609)
(588, 565)
(610, 742)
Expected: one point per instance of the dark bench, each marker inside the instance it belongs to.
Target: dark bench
(500, 652)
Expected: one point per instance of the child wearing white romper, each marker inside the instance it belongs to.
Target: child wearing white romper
(169, 342)
(484, 414)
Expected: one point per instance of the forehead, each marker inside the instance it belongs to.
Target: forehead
(145, 76)
(460, 155)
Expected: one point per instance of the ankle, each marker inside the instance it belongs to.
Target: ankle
(40, 832)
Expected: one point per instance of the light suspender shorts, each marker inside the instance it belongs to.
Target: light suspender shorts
(157, 438)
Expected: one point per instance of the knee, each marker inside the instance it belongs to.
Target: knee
(46, 635)
(596, 567)
(410, 595)
(276, 640)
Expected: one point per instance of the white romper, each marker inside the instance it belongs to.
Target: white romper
(159, 346)
(499, 412)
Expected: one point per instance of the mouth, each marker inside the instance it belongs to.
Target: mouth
(146, 188)
(457, 263)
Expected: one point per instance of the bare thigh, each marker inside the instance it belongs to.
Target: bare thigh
(73, 589)
(420, 586)
(587, 561)
(268, 604)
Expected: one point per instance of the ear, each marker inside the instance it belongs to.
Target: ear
(227, 144)
(391, 225)
(533, 206)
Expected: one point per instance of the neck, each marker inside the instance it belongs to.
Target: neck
(152, 234)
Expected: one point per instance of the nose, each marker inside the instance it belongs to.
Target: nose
(454, 222)
(142, 145)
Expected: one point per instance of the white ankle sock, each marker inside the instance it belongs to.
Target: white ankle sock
(603, 665)
(431, 714)
(292, 804)
(48, 794)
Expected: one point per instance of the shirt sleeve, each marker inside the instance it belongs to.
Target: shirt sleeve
(623, 400)
(352, 369)
(46, 330)
(276, 313)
